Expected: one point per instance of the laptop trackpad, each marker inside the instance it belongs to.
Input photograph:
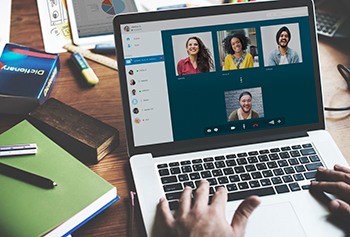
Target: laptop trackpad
(274, 220)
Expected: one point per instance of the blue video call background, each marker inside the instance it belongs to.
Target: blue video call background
(197, 101)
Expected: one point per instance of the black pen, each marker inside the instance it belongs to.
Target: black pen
(26, 176)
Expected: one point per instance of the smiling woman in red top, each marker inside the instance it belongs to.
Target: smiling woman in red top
(199, 58)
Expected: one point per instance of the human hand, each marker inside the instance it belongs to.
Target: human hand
(206, 220)
(335, 182)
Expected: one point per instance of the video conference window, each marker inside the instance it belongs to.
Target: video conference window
(193, 53)
(281, 44)
(244, 104)
(238, 49)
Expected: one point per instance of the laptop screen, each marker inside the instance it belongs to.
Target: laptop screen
(204, 77)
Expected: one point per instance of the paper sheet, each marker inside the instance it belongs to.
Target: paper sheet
(5, 19)
(54, 25)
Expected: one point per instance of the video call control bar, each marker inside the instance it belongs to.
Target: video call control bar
(244, 125)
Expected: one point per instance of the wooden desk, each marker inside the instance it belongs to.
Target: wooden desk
(103, 102)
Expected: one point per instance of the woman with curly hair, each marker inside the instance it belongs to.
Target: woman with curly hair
(199, 58)
(235, 45)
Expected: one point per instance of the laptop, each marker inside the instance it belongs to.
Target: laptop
(182, 122)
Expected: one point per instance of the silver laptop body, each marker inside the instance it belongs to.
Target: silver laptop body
(179, 124)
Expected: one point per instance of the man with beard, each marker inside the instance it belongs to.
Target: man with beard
(283, 54)
(246, 111)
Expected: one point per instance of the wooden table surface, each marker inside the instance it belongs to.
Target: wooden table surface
(104, 102)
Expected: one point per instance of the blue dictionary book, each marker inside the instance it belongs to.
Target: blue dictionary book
(26, 78)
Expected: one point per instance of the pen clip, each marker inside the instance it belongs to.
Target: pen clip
(132, 196)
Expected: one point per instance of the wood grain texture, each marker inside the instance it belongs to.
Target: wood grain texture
(104, 103)
(85, 137)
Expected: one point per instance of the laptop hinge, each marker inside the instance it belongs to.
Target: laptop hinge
(232, 143)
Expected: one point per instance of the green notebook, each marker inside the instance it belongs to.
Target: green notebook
(28, 210)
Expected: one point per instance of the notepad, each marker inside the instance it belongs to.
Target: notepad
(27, 210)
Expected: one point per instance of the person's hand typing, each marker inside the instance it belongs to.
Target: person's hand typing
(335, 182)
(201, 219)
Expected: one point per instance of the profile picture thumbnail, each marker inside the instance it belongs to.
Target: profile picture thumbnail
(238, 49)
(193, 53)
(137, 120)
(281, 44)
(244, 104)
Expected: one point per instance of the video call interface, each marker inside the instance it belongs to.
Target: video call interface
(223, 79)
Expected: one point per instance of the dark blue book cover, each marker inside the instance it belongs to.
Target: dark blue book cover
(26, 78)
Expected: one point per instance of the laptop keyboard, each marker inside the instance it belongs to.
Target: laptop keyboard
(265, 172)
